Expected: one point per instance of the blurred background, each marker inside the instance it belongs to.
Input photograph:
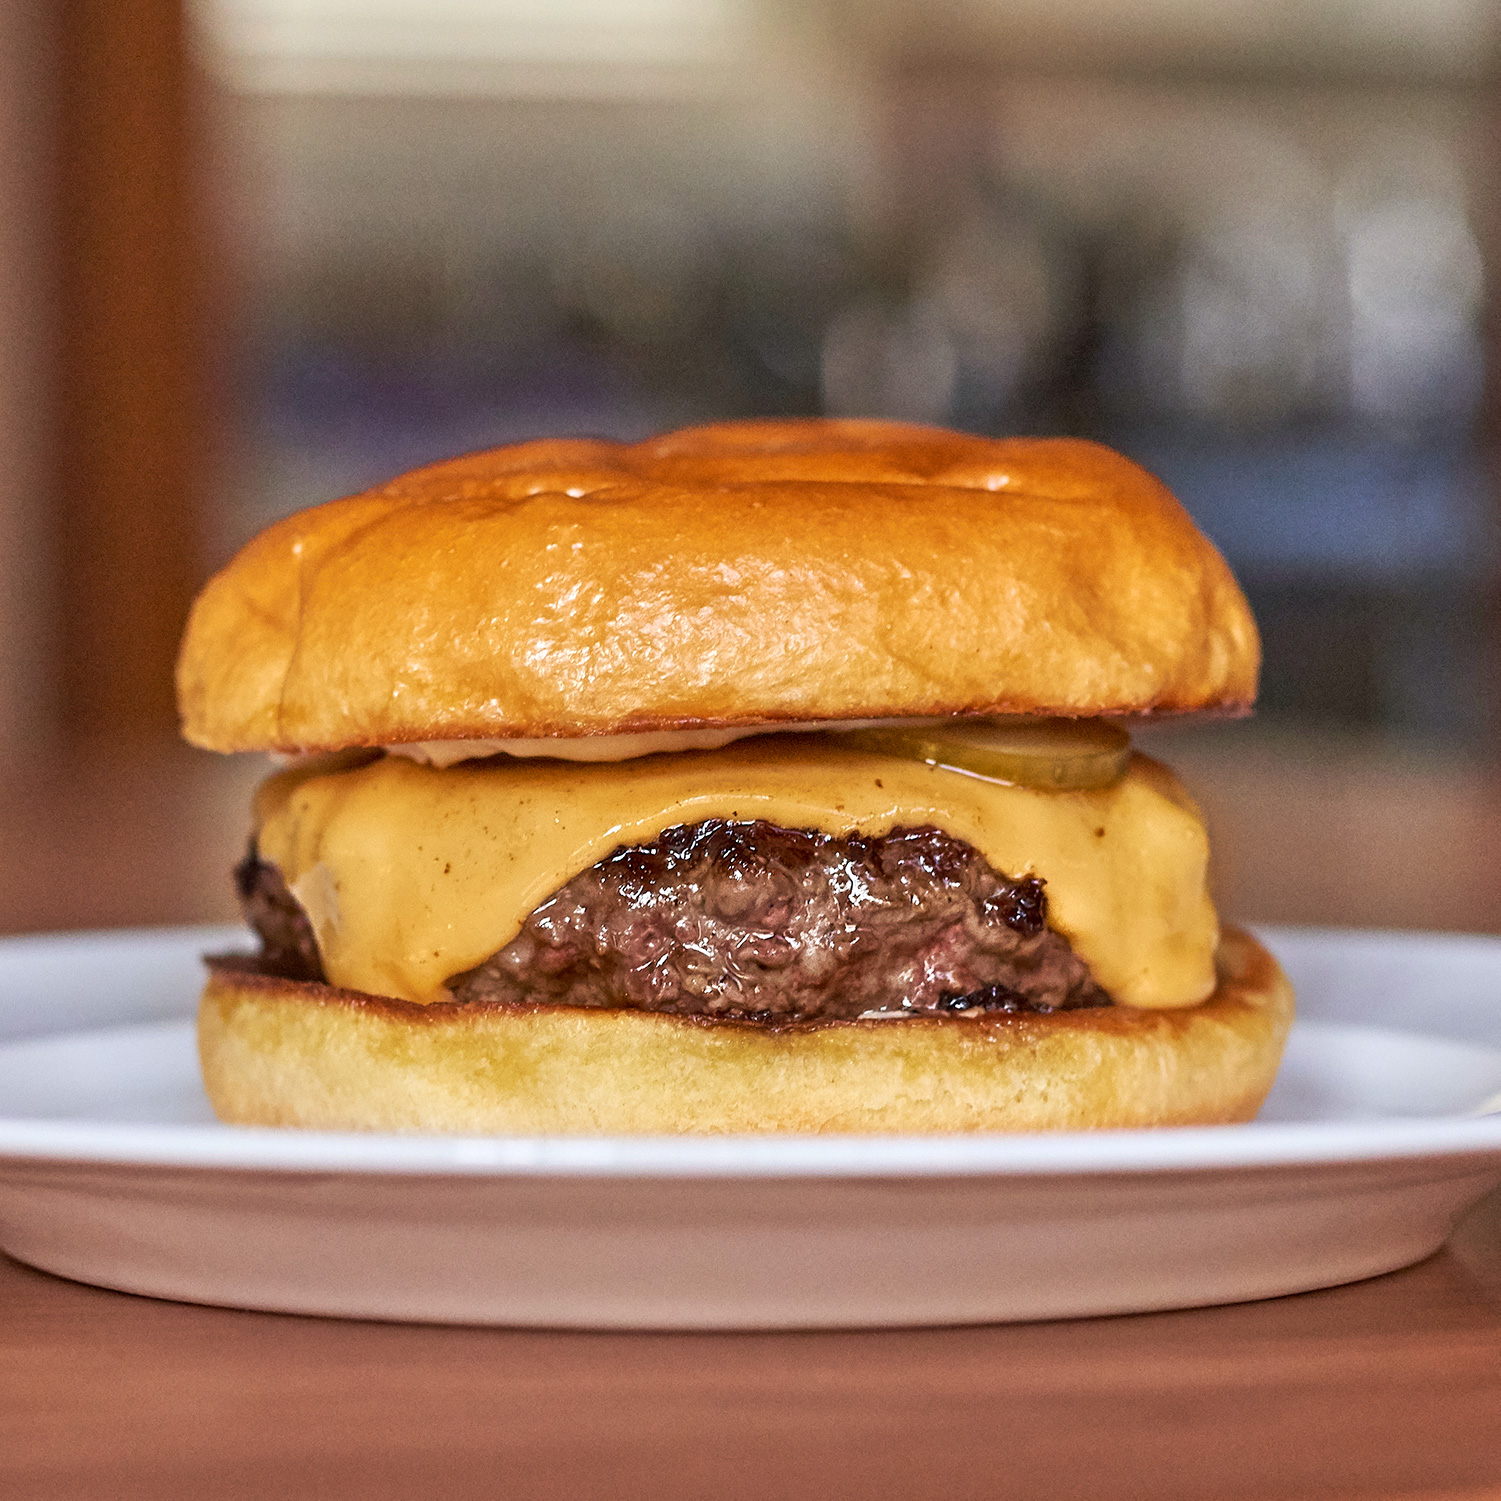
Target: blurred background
(258, 253)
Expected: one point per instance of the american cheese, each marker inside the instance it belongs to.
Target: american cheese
(412, 874)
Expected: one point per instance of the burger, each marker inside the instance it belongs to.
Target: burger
(771, 776)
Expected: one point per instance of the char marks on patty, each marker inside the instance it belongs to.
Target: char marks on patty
(749, 921)
(288, 945)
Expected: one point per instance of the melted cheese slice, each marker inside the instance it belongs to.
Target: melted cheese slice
(413, 874)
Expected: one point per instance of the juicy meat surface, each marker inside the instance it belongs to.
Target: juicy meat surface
(288, 947)
(755, 921)
(750, 921)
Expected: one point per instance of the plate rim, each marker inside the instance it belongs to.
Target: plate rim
(1072, 1154)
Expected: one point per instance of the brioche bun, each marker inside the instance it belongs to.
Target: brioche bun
(746, 573)
(282, 1053)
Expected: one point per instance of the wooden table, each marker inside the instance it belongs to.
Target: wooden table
(1386, 1389)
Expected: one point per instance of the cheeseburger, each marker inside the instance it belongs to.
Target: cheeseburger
(768, 776)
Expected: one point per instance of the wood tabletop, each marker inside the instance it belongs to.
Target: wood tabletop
(1384, 1389)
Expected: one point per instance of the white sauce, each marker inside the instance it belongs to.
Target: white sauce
(623, 747)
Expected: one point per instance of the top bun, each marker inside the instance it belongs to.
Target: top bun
(741, 574)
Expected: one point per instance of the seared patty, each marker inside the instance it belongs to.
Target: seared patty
(288, 946)
(756, 922)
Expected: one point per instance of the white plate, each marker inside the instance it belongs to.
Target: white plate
(113, 1171)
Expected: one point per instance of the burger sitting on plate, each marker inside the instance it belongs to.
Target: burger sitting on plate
(767, 776)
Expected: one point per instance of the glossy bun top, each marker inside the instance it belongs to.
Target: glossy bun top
(745, 573)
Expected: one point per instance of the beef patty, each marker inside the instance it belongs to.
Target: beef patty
(754, 922)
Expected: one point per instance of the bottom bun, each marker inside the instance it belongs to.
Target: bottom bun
(280, 1052)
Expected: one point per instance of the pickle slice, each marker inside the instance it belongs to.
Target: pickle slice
(1057, 755)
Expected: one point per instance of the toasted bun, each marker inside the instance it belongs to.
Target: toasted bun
(280, 1053)
(747, 573)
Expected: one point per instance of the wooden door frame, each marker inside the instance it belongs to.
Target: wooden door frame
(133, 407)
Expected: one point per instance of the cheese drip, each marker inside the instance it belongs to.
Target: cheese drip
(412, 874)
